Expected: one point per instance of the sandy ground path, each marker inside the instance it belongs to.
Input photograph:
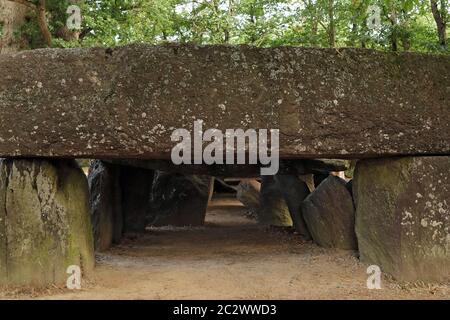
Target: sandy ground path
(230, 258)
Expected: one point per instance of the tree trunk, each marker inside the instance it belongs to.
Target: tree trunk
(253, 21)
(39, 9)
(331, 25)
(440, 21)
(228, 25)
(314, 24)
(406, 43)
(393, 35)
(42, 22)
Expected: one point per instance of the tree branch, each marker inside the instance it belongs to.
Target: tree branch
(42, 22)
(41, 18)
(440, 21)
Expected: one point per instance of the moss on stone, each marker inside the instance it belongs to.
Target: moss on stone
(403, 216)
(47, 226)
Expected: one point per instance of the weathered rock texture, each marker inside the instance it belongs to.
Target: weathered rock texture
(248, 192)
(44, 222)
(294, 192)
(330, 215)
(179, 200)
(403, 216)
(119, 200)
(106, 204)
(273, 208)
(126, 102)
(298, 167)
(309, 180)
(211, 190)
(12, 17)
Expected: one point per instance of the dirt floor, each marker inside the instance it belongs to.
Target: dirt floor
(230, 258)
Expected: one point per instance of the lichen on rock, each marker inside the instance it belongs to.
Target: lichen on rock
(44, 221)
(403, 216)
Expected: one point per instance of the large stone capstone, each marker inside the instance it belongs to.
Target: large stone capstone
(126, 102)
(44, 222)
(403, 216)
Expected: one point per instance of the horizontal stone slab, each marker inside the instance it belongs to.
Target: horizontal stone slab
(287, 167)
(126, 102)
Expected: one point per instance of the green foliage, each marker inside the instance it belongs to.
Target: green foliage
(56, 17)
(406, 25)
(29, 31)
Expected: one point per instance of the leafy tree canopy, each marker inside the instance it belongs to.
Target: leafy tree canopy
(404, 25)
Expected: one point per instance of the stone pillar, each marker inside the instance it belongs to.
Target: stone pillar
(294, 192)
(136, 185)
(44, 222)
(330, 215)
(403, 216)
(211, 190)
(248, 192)
(179, 200)
(273, 209)
(120, 201)
(106, 204)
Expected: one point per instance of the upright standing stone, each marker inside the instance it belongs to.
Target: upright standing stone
(309, 180)
(294, 191)
(136, 185)
(273, 209)
(248, 193)
(106, 204)
(403, 216)
(330, 215)
(211, 190)
(120, 201)
(44, 222)
(179, 200)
